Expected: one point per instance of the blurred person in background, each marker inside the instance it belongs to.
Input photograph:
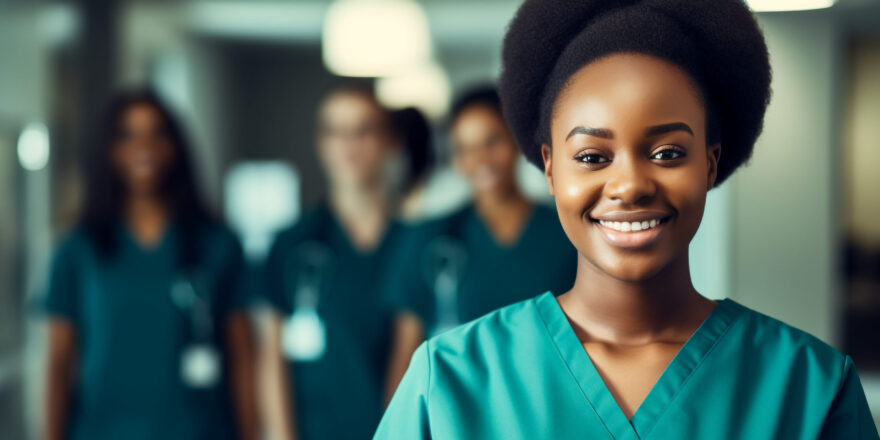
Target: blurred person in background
(413, 132)
(148, 335)
(495, 251)
(327, 350)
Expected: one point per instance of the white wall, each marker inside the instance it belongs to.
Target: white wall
(783, 204)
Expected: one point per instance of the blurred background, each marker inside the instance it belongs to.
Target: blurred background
(796, 234)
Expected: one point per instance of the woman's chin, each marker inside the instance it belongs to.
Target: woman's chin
(633, 271)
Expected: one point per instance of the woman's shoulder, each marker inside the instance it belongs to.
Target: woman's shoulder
(73, 243)
(447, 220)
(783, 344)
(547, 217)
(449, 223)
(219, 231)
(545, 211)
(219, 238)
(550, 232)
(309, 225)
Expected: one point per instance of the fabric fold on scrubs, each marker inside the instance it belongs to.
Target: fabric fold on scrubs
(521, 373)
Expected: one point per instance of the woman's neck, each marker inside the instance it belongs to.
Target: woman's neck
(147, 216)
(499, 201)
(362, 212)
(665, 307)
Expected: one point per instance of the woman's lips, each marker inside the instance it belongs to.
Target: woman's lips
(616, 233)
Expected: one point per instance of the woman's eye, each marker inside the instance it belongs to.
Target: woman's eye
(668, 154)
(591, 158)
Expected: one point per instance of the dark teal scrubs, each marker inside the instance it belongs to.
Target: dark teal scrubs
(493, 275)
(339, 395)
(522, 373)
(131, 333)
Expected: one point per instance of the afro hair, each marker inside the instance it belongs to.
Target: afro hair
(717, 42)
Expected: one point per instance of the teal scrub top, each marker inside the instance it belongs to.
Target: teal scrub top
(339, 395)
(131, 334)
(522, 373)
(492, 275)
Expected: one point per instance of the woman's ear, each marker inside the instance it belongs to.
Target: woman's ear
(713, 155)
(546, 155)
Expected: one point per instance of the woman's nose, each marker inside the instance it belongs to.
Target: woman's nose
(630, 182)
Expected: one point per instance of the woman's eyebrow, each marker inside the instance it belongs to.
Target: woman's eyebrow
(590, 131)
(666, 128)
(650, 131)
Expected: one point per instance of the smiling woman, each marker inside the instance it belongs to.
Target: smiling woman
(634, 110)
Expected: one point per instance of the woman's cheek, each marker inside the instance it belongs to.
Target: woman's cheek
(696, 204)
(575, 195)
(574, 190)
(688, 192)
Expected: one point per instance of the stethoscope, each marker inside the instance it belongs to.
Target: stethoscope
(443, 265)
(200, 365)
(303, 333)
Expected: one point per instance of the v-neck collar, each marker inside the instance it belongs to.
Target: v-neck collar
(148, 249)
(600, 399)
(485, 231)
(336, 228)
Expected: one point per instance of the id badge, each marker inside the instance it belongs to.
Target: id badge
(200, 366)
(304, 337)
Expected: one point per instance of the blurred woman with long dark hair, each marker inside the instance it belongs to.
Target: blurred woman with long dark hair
(148, 336)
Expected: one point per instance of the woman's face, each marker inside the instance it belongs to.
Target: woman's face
(353, 139)
(143, 151)
(485, 152)
(629, 165)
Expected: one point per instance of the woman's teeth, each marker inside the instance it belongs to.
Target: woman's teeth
(630, 226)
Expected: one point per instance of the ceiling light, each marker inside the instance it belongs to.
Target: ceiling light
(788, 5)
(372, 38)
(33, 147)
(425, 87)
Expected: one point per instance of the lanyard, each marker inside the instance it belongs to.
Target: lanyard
(306, 269)
(191, 292)
(444, 261)
(304, 335)
(200, 365)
